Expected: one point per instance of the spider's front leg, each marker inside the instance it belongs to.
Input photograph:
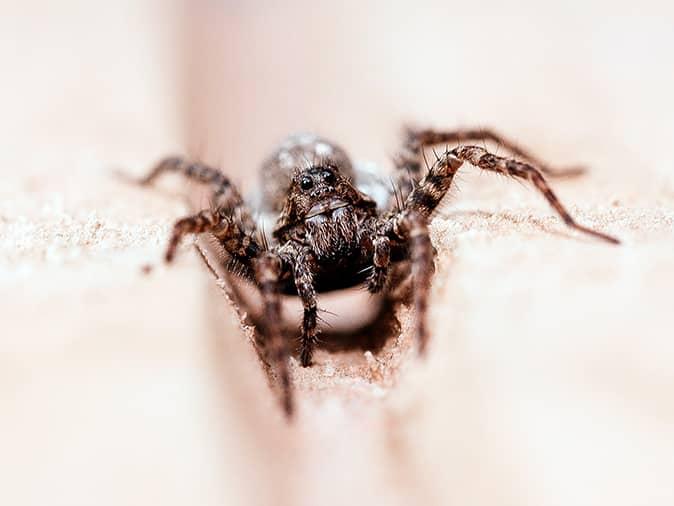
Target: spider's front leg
(426, 196)
(410, 161)
(303, 263)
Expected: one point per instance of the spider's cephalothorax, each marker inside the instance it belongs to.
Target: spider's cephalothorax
(331, 234)
(327, 214)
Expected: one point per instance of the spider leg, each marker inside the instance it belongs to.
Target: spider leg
(224, 196)
(229, 220)
(416, 140)
(381, 260)
(425, 197)
(411, 161)
(268, 269)
(303, 264)
(230, 233)
(410, 226)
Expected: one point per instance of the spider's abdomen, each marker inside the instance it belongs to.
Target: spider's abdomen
(297, 151)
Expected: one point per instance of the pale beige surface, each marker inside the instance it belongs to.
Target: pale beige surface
(549, 379)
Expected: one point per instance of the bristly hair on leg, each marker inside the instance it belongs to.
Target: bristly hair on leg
(423, 154)
(398, 199)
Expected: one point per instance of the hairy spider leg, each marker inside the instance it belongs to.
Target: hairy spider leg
(302, 261)
(432, 188)
(410, 224)
(381, 261)
(230, 223)
(225, 195)
(409, 163)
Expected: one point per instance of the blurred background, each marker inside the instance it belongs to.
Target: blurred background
(551, 379)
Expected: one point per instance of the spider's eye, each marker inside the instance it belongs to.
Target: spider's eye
(306, 183)
(328, 176)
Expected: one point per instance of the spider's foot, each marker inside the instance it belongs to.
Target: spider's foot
(287, 403)
(169, 255)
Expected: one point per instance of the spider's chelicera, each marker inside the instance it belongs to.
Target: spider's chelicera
(330, 234)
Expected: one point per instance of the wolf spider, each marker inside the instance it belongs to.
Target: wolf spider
(330, 234)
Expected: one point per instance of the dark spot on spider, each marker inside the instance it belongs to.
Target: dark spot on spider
(436, 180)
(488, 161)
(306, 183)
(426, 200)
(328, 176)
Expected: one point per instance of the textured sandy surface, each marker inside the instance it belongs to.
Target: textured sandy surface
(549, 378)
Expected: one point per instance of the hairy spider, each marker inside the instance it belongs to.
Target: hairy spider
(331, 234)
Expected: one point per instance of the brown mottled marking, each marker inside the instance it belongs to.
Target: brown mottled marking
(426, 196)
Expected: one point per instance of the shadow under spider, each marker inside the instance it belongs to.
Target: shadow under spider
(371, 337)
